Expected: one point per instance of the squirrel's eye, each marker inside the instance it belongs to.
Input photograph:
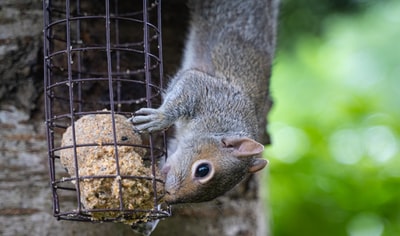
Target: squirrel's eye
(202, 170)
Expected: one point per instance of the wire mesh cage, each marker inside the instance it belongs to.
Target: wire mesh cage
(103, 61)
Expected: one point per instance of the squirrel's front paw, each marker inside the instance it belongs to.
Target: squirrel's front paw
(149, 120)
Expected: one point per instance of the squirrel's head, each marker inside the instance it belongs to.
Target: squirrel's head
(206, 168)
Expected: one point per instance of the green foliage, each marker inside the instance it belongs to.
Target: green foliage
(305, 16)
(335, 126)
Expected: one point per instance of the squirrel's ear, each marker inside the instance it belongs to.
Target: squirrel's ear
(243, 146)
(257, 164)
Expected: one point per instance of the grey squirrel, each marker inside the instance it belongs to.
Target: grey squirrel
(217, 99)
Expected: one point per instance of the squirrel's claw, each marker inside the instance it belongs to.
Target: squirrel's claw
(148, 120)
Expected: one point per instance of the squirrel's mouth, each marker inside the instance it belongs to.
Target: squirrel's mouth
(168, 198)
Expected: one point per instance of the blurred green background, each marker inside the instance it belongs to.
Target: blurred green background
(335, 125)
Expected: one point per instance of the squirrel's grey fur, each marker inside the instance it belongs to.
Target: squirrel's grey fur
(217, 99)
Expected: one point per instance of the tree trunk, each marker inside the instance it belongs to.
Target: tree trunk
(26, 202)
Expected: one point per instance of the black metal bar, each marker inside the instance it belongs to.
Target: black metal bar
(79, 67)
(71, 100)
(111, 93)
